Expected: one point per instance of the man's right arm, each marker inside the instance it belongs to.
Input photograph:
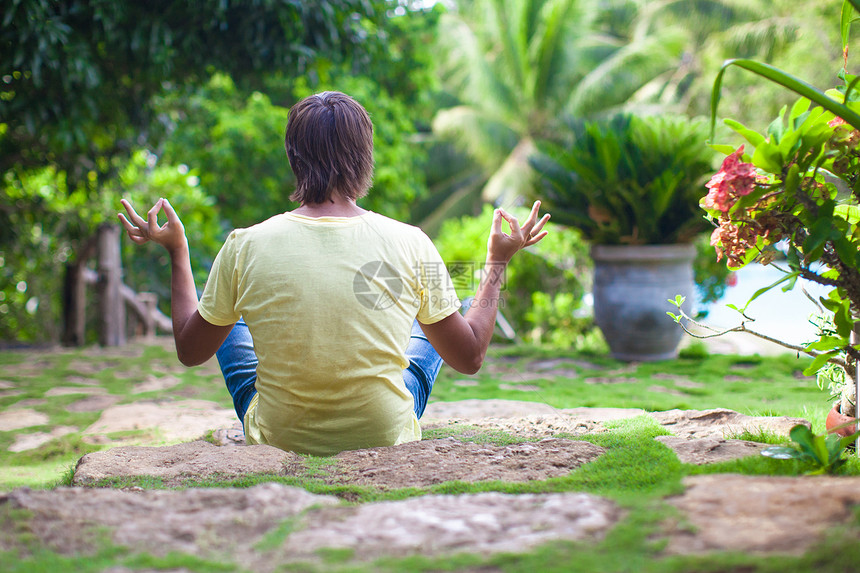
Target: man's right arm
(462, 341)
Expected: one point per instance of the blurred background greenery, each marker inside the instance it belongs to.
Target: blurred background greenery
(100, 100)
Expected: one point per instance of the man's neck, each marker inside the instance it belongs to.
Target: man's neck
(336, 208)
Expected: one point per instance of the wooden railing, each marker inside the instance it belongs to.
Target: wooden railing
(113, 296)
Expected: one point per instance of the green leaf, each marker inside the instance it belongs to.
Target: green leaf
(800, 108)
(850, 213)
(768, 157)
(775, 129)
(818, 235)
(805, 439)
(789, 82)
(753, 137)
(845, 25)
(828, 343)
(722, 148)
(763, 290)
(818, 362)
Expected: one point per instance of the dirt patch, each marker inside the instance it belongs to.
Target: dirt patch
(429, 462)
(229, 524)
(24, 442)
(722, 423)
(752, 514)
(69, 390)
(155, 383)
(16, 419)
(195, 521)
(526, 419)
(174, 464)
(82, 380)
(93, 367)
(710, 450)
(482, 523)
(94, 403)
(520, 387)
(175, 421)
(416, 464)
(610, 380)
(476, 409)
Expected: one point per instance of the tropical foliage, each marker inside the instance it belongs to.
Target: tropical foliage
(798, 185)
(88, 89)
(543, 287)
(628, 179)
(518, 66)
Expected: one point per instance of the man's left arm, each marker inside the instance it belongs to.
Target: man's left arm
(196, 339)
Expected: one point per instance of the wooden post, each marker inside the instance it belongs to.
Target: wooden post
(110, 303)
(149, 301)
(74, 305)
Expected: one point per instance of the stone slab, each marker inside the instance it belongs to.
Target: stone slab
(17, 419)
(174, 463)
(762, 515)
(710, 450)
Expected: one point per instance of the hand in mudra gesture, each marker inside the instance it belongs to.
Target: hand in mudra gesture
(502, 246)
(171, 235)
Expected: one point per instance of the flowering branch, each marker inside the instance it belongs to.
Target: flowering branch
(742, 327)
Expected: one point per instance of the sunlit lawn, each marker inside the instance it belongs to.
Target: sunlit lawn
(749, 384)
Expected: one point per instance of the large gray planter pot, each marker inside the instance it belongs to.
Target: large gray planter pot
(632, 285)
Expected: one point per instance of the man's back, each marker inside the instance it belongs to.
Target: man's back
(330, 303)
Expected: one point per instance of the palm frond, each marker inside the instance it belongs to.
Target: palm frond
(486, 139)
(762, 37)
(546, 48)
(467, 71)
(514, 179)
(625, 72)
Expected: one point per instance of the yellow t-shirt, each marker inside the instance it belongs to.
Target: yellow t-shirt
(330, 303)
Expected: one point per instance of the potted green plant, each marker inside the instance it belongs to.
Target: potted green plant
(798, 184)
(631, 184)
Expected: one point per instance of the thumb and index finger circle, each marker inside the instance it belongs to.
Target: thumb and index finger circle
(512, 221)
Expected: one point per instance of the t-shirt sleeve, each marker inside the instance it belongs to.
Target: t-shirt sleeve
(438, 299)
(218, 304)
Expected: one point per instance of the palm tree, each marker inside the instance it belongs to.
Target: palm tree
(786, 33)
(517, 67)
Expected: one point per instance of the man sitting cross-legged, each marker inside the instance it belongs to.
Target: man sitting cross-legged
(330, 322)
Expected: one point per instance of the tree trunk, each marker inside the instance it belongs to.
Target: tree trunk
(74, 305)
(111, 305)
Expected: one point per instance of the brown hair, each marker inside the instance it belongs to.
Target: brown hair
(329, 143)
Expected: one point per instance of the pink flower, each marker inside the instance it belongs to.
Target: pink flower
(734, 179)
(716, 236)
(836, 122)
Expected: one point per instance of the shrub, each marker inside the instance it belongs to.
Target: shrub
(544, 284)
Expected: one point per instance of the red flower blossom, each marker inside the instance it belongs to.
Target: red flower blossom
(734, 179)
(836, 121)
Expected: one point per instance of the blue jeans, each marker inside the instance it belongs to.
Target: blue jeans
(239, 365)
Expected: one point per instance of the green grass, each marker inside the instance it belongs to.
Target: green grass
(35, 373)
(752, 385)
(636, 472)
